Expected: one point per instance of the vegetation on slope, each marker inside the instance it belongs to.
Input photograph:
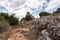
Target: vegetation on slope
(44, 14)
(57, 12)
(11, 19)
(28, 17)
(4, 26)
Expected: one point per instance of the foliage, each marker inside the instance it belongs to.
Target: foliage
(28, 18)
(56, 12)
(11, 19)
(4, 26)
(5, 15)
(44, 14)
(22, 19)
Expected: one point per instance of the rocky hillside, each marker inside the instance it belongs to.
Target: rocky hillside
(44, 28)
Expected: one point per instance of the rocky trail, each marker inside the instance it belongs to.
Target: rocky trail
(17, 34)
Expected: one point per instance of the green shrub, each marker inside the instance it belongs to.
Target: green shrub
(44, 14)
(5, 15)
(28, 18)
(4, 26)
(10, 18)
(56, 12)
(13, 20)
(22, 20)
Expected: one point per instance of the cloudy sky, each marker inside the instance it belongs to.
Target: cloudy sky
(20, 7)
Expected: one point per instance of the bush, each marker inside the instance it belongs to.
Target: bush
(44, 14)
(4, 26)
(5, 15)
(28, 18)
(22, 19)
(13, 20)
(10, 19)
(56, 12)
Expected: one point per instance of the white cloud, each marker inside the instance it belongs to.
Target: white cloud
(35, 3)
(24, 5)
(52, 5)
(22, 12)
(12, 4)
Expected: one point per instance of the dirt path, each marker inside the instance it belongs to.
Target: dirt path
(16, 34)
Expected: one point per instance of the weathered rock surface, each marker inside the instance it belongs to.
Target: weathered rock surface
(46, 28)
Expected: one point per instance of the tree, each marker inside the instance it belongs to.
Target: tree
(4, 26)
(4, 15)
(44, 14)
(22, 19)
(56, 12)
(28, 17)
(11, 19)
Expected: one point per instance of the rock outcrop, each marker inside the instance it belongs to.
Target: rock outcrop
(46, 28)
